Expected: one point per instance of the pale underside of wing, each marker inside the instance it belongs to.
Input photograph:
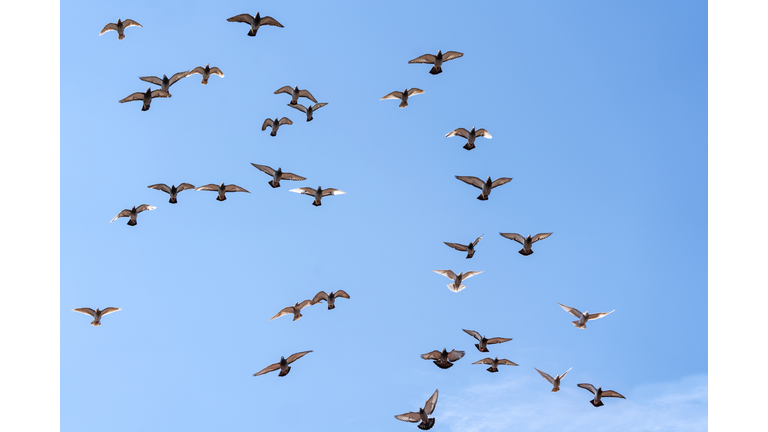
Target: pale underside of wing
(447, 273)
(131, 23)
(285, 120)
(87, 311)
(588, 386)
(267, 122)
(304, 304)
(458, 132)
(320, 297)
(429, 407)
(611, 393)
(474, 181)
(483, 133)
(234, 188)
(108, 27)
(450, 55)
(457, 246)
(176, 77)
(507, 362)
(426, 58)
(308, 95)
(540, 236)
(133, 97)
(152, 80)
(270, 368)
(184, 186)
(198, 70)
(268, 20)
(109, 310)
(159, 93)
(265, 169)
(477, 240)
(317, 106)
(414, 91)
(208, 187)
(455, 355)
(516, 237)
(573, 311)
(143, 207)
(284, 311)
(498, 340)
(293, 357)
(292, 177)
(393, 95)
(546, 376)
(474, 334)
(469, 274)
(500, 181)
(565, 373)
(242, 18)
(216, 71)
(160, 187)
(303, 191)
(411, 417)
(487, 360)
(598, 315)
(433, 355)
(299, 107)
(285, 89)
(342, 294)
(124, 213)
(332, 191)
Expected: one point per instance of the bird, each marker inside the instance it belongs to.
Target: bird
(318, 193)
(96, 314)
(581, 322)
(436, 60)
(165, 83)
(255, 21)
(132, 213)
(330, 298)
(173, 190)
(469, 249)
(527, 242)
(403, 96)
(146, 97)
(470, 136)
(456, 285)
(495, 362)
(295, 94)
(283, 364)
(206, 72)
(599, 394)
(554, 381)
(485, 341)
(119, 27)
(485, 186)
(422, 416)
(221, 189)
(308, 110)
(277, 175)
(275, 124)
(444, 359)
(295, 310)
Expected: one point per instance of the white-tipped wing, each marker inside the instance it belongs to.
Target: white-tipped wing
(268, 20)
(611, 393)
(477, 240)
(546, 376)
(108, 27)
(483, 133)
(299, 107)
(304, 191)
(457, 246)
(589, 387)
(474, 181)
(284, 311)
(184, 186)
(474, 334)
(234, 188)
(270, 368)
(152, 80)
(573, 311)
(87, 311)
(267, 122)
(133, 97)
(415, 91)
(242, 18)
(216, 71)
(320, 297)
(411, 417)
(143, 207)
(160, 187)
(458, 132)
(433, 355)
(208, 187)
(469, 274)
(455, 355)
(426, 58)
(564, 373)
(393, 95)
(447, 273)
(308, 95)
(317, 106)
(450, 55)
(487, 360)
(516, 237)
(594, 316)
(124, 213)
(429, 407)
(293, 357)
(500, 181)
(198, 70)
(131, 23)
(540, 236)
(332, 191)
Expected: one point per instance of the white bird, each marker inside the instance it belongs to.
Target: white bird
(403, 96)
(554, 381)
(422, 416)
(469, 135)
(456, 285)
(581, 322)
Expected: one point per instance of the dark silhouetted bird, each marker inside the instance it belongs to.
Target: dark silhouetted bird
(444, 359)
(318, 193)
(146, 97)
(277, 175)
(221, 189)
(527, 242)
(469, 249)
(482, 346)
(403, 96)
(173, 190)
(283, 364)
(255, 22)
(599, 394)
(132, 213)
(96, 314)
(119, 27)
(495, 362)
(330, 298)
(485, 186)
(436, 60)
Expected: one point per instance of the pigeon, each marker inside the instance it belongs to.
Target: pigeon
(119, 27)
(527, 242)
(330, 298)
(96, 314)
(485, 186)
(308, 110)
(275, 124)
(318, 193)
(283, 364)
(422, 416)
(295, 94)
(165, 83)
(436, 60)
(495, 362)
(485, 341)
(277, 175)
(146, 97)
(581, 322)
(470, 136)
(599, 394)
(295, 310)
(221, 189)
(554, 381)
(469, 249)
(173, 190)
(206, 72)
(255, 22)
(456, 285)
(132, 213)
(403, 96)
(444, 359)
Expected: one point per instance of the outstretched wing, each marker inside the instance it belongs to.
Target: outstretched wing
(573, 311)
(540, 236)
(265, 169)
(109, 310)
(483, 133)
(320, 297)
(267, 122)
(507, 362)
(611, 393)
(487, 360)
(216, 71)
(469, 274)
(304, 304)
(457, 246)
(433, 355)
(460, 132)
(411, 417)
(565, 373)
(516, 237)
(270, 368)
(160, 187)
(447, 273)
(594, 316)
(184, 186)
(143, 207)
(285, 89)
(234, 188)
(133, 97)
(242, 18)
(208, 187)
(500, 181)
(152, 80)
(317, 106)
(429, 407)
(131, 23)
(293, 357)
(393, 95)
(176, 77)
(285, 120)
(474, 334)
(284, 311)
(332, 191)
(498, 340)
(197, 70)
(450, 55)
(426, 58)
(308, 95)
(589, 387)
(303, 191)
(299, 107)
(477, 240)
(268, 20)
(292, 176)
(342, 294)
(455, 355)
(546, 376)
(159, 93)
(108, 27)
(414, 91)
(87, 311)
(124, 213)
(474, 181)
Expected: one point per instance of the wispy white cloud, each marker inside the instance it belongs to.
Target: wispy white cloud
(524, 404)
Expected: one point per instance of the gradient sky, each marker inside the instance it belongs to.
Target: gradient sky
(597, 110)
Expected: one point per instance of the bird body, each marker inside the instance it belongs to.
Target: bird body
(484, 186)
(132, 213)
(119, 27)
(444, 359)
(318, 193)
(173, 190)
(482, 346)
(296, 94)
(330, 298)
(283, 364)
(96, 314)
(469, 135)
(295, 310)
(554, 381)
(308, 110)
(255, 21)
(146, 97)
(221, 189)
(527, 242)
(275, 124)
(403, 96)
(599, 394)
(495, 362)
(581, 322)
(436, 60)
(422, 417)
(206, 72)
(277, 175)
(165, 83)
(469, 249)
(456, 285)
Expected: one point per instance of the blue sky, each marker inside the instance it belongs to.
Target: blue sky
(598, 111)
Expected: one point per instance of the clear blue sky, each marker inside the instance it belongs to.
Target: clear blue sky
(597, 110)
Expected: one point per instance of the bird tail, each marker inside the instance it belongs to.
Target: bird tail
(131, 222)
(221, 198)
(288, 369)
(204, 81)
(251, 32)
(272, 183)
(599, 404)
(95, 323)
(442, 365)
(298, 316)
(172, 200)
(436, 70)
(331, 306)
(471, 254)
(492, 369)
(309, 118)
(523, 252)
(576, 324)
(454, 289)
(273, 133)
(145, 107)
(481, 350)
(403, 104)
(482, 197)
(121, 37)
(469, 146)
(427, 425)
(317, 203)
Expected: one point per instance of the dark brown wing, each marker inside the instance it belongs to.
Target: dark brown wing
(457, 246)
(432, 355)
(293, 357)
(455, 355)
(487, 360)
(197, 70)
(159, 93)
(131, 23)
(184, 186)
(426, 58)
(500, 181)
(411, 417)
(514, 236)
(332, 191)
(268, 20)
(611, 393)
(124, 213)
(458, 132)
(474, 181)
(540, 236)
(498, 340)
(292, 177)
(267, 122)
(108, 27)
(589, 387)
(133, 97)
(242, 18)
(143, 207)
(304, 191)
(393, 95)
(320, 297)
(285, 120)
(234, 188)
(450, 55)
(308, 95)
(216, 71)
(341, 293)
(474, 334)
(160, 187)
(208, 187)
(87, 311)
(507, 362)
(152, 80)
(414, 91)
(299, 107)
(265, 169)
(176, 77)
(270, 368)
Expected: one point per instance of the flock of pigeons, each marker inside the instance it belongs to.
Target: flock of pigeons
(443, 359)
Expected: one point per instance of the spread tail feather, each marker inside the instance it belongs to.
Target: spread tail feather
(272, 183)
(436, 70)
(599, 404)
(482, 197)
(121, 37)
(427, 425)
(492, 369)
(403, 104)
(576, 324)
(469, 146)
(288, 369)
(251, 32)
(524, 252)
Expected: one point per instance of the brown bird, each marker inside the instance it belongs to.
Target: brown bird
(173, 190)
(295, 94)
(277, 175)
(403, 96)
(132, 213)
(469, 135)
(554, 381)
(469, 249)
(295, 310)
(436, 60)
(146, 97)
(275, 124)
(444, 359)
(119, 27)
(318, 193)
(485, 186)
(422, 416)
(495, 362)
(96, 314)
(255, 22)
(221, 189)
(581, 322)
(165, 83)
(330, 298)
(206, 72)
(308, 110)
(283, 364)
(527, 242)
(456, 285)
(599, 394)
(482, 346)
